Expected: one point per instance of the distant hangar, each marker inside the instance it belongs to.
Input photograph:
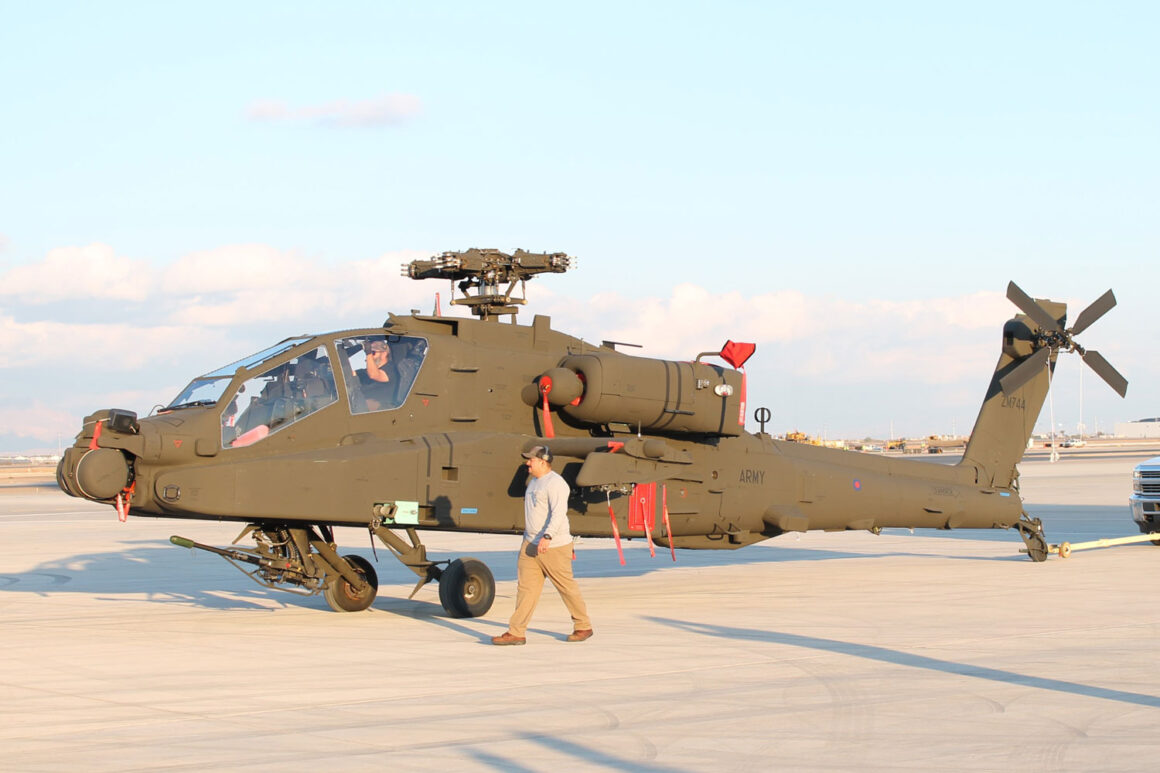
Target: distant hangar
(1141, 428)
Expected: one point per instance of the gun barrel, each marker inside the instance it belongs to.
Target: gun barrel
(235, 555)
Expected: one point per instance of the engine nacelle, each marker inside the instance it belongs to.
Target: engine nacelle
(655, 395)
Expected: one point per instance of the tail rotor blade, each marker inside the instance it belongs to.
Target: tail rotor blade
(1104, 370)
(1025, 371)
(1099, 307)
(1032, 309)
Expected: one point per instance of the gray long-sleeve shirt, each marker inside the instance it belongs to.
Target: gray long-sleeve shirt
(546, 510)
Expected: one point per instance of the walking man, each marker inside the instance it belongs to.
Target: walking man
(546, 552)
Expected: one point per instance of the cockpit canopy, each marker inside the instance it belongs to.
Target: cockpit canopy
(375, 372)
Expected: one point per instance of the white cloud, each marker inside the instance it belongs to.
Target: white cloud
(376, 286)
(92, 271)
(235, 267)
(227, 286)
(39, 422)
(819, 358)
(384, 110)
(248, 284)
(932, 341)
(69, 347)
(257, 284)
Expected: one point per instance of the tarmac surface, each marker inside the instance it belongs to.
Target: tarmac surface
(823, 652)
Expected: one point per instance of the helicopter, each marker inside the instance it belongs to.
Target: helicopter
(417, 425)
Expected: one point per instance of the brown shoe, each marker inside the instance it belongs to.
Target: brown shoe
(508, 638)
(580, 635)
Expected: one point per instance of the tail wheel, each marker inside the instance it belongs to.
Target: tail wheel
(342, 596)
(466, 588)
(1037, 548)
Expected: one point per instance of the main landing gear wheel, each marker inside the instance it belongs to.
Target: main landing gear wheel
(341, 595)
(466, 588)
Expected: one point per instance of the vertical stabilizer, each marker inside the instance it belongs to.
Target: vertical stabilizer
(1007, 419)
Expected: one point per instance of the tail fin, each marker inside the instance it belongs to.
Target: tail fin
(1007, 419)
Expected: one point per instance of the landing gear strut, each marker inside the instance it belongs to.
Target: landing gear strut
(466, 585)
(303, 560)
(1031, 530)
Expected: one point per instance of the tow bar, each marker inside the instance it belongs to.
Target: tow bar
(1064, 549)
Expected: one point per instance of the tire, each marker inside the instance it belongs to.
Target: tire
(466, 588)
(340, 594)
(1037, 548)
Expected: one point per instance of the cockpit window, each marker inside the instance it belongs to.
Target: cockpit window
(207, 389)
(379, 370)
(278, 397)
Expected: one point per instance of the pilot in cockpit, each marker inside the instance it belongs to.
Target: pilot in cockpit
(378, 358)
(381, 375)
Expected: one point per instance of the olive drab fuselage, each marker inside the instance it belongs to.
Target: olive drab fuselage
(452, 447)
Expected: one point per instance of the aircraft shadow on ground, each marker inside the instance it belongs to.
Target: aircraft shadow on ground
(910, 660)
(170, 575)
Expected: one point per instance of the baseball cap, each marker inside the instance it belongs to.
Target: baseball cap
(538, 452)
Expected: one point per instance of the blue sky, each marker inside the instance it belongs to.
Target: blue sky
(850, 185)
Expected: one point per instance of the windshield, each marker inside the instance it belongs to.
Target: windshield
(207, 389)
(201, 391)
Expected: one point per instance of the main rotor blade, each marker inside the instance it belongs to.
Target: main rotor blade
(1098, 308)
(1104, 370)
(1025, 371)
(1032, 309)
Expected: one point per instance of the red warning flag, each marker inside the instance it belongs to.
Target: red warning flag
(642, 507)
(642, 511)
(736, 353)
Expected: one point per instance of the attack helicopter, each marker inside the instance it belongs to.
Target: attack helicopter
(417, 425)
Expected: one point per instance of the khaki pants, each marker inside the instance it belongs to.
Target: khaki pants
(531, 569)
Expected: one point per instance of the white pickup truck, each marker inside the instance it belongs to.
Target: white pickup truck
(1145, 499)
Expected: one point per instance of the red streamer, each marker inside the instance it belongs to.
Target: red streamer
(545, 388)
(668, 526)
(615, 529)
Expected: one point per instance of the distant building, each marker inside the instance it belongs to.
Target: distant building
(1142, 428)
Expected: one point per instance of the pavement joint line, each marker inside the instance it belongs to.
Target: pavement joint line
(14, 516)
(502, 736)
(178, 715)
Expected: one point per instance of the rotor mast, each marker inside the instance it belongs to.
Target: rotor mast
(484, 271)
